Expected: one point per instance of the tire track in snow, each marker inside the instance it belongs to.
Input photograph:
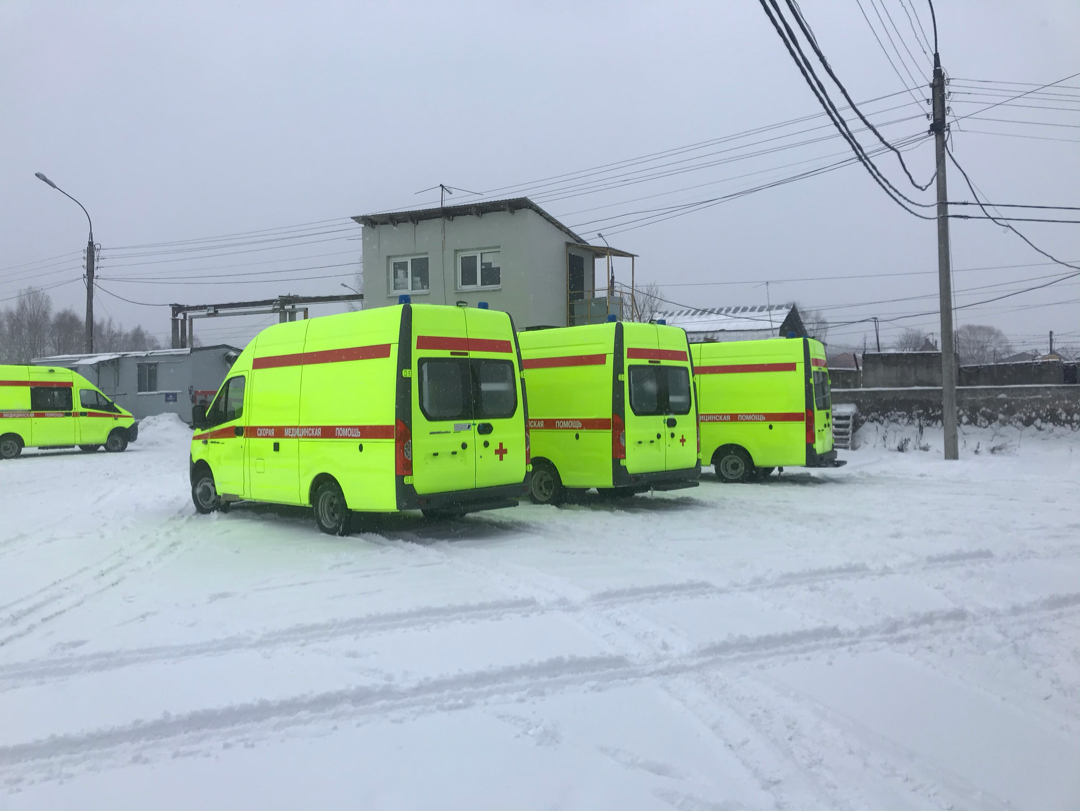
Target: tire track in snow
(39, 670)
(458, 691)
(26, 614)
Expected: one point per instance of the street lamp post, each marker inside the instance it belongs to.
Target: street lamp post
(89, 265)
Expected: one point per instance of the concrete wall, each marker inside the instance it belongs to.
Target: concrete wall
(899, 369)
(980, 405)
(532, 256)
(906, 369)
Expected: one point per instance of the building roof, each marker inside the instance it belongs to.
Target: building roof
(730, 319)
(477, 209)
(95, 359)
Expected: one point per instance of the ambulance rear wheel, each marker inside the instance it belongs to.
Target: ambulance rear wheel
(733, 464)
(546, 487)
(331, 511)
(10, 446)
(204, 492)
(89, 448)
(116, 442)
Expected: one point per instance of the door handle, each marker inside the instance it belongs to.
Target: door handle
(238, 431)
(484, 428)
(671, 422)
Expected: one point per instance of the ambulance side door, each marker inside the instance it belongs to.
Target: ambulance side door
(96, 417)
(225, 439)
(53, 423)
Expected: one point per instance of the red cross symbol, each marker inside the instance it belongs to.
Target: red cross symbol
(501, 451)
(682, 440)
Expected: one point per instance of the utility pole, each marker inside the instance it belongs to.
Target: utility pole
(877, 335)
(89, 348)
(948, 352)
(1051, 342)
(90, 293)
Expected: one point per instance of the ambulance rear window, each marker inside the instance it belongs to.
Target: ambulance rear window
(445, 388)
(659, 390)
(497, 394)
(822, 392)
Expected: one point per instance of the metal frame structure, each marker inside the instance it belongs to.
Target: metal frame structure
(287, 308)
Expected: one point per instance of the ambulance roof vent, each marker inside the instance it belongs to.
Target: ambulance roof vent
(404, 298)
(481, 305)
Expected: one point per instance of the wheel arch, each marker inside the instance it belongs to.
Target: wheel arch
(717, 453)
(198, 467)
(314, 485)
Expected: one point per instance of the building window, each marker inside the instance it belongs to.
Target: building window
(147, 377)
(479, 269)
(409, 274)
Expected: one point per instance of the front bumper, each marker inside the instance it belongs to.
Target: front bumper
(133, 432)
(467, 501)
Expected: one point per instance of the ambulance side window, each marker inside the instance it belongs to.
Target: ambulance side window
(229, 404)
(95, 400)
(50, 398)
(445, 388)
(496, 395)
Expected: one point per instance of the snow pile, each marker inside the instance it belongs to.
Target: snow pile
(993, 439)
(898, 633)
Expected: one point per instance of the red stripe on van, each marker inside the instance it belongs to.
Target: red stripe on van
(463, 344)
(325, 356)
(569, 360)
(564, 424)
(319, 432)
(743, 368)
(791, 416)
(45, 384)
(655, 354)
(817, 361)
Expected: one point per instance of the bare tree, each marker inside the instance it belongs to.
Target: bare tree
(647, 303)
(978, 344)
(67, 333)
(910, 340)
(817, 326)
(138, 340)
(28, 326)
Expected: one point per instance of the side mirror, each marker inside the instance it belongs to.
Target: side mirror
(198, 416)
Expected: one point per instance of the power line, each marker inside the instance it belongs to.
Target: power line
(1018, 96)
(882, 46)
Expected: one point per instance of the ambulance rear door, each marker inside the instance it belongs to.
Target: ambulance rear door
(646, 406)
(673, 352)
(443, 438)
(498, 407)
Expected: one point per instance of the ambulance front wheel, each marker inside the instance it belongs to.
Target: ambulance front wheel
(331, 511)
(733, 464)
(117, 441)
(546, 487)
(10, 446)
(204, 492)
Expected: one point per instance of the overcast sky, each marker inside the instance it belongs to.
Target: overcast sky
(178, 121)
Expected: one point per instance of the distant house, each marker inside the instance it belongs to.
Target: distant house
(1021, 357)
(511, 254)
(157, 381)
(737, 323)
(844, 360)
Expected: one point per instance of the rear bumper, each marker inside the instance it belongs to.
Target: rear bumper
(660, 479)
(467, 501)
(133, 432)
(827, 459)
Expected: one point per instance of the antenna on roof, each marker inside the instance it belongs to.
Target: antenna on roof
(445, 190)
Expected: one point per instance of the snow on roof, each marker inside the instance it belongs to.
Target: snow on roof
(93, 360)
(729, 319)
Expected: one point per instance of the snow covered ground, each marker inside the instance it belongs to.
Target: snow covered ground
(900, 633)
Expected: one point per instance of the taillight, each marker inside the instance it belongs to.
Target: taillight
(528, 446)
(403, 449)
(810, 428)
(618, 437)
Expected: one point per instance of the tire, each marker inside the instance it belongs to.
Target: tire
(10, 446)
(331, 511)
(546, 486)
(204, 492)
(89, 448)
(117, 442)
(733, 464)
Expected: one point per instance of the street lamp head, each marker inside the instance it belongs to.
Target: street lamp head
(44, 179)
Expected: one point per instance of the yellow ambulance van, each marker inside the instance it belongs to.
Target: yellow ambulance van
(396, 408)
(611, 406)
(50, 407)
(763, 405)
